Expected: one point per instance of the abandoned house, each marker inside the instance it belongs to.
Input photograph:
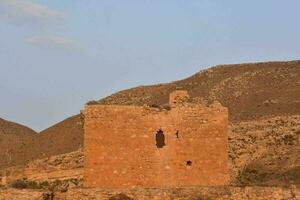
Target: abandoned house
(128, 146)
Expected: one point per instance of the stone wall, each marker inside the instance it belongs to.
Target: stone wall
(123, 147)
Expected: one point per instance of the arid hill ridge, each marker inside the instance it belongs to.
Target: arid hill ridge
(250, 91)
(8, 127)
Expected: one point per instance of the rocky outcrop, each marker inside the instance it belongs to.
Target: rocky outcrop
(265, 152)
(61, 167)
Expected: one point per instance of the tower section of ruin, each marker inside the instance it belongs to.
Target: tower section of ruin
(127, 146)
(178, 97)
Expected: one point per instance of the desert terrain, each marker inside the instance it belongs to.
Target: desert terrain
(263, 138)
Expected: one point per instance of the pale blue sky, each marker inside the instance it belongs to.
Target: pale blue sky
(55, 55)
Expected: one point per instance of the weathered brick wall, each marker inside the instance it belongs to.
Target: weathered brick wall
(121, 151)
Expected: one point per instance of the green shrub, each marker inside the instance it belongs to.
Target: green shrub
(19, 184)
(290, 139)
(25, 184)
(120, 196)
(44, 185)
(201, 197)
(33, 185)
(155, 106)
(93, 102)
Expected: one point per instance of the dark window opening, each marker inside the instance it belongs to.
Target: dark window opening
(188, 163)
(177, 134)
(160, 139)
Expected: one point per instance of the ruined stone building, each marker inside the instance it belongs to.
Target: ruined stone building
(128, 146)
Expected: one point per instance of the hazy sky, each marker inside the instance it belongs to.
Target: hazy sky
(55, 55)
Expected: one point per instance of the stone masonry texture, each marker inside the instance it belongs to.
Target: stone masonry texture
(129, 146)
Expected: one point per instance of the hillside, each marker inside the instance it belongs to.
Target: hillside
(265, 151)
(22, 144)
(250, 91)
(14, 138)
(264, 109)
(63, 137)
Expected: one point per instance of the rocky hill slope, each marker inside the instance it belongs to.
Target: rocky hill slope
(14, 138)
(20, 144)
(250, 91)
(265, 151)
(63, 137)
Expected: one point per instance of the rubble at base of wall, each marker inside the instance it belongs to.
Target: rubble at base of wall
(191, 193)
